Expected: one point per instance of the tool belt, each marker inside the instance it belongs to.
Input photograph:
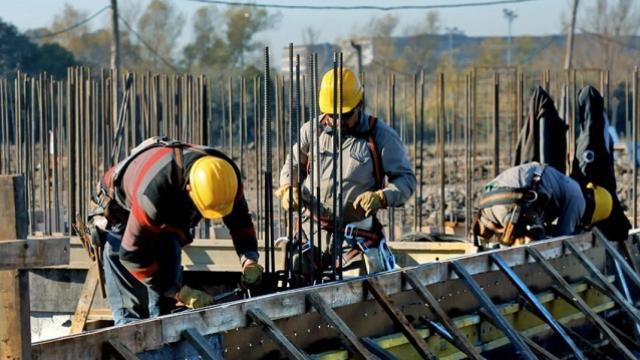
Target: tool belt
(527, 215)
(360, 240)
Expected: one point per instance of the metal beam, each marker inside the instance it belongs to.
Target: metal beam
(377, 349)
(200, 344)
(602, 240)
(535, 347)
(607, 288)
(399, 319)
(349, 339)
(564, 289)
(522, 350)
(459, 340)
(539, 308)
(114, 349)
(283, 343)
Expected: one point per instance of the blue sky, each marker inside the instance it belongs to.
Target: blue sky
(534, 18)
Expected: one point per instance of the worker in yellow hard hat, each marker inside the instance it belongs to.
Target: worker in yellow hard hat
(149, 202)
(532, 201)
(376, 171)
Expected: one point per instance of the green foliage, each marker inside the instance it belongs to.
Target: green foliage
(160, 25)
(17, 52)
(217, 50)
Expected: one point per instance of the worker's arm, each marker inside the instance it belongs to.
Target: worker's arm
(241, 228)
(401, 179)
(572, 206)
(285, 178)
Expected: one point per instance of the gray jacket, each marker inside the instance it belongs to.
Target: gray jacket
(566, 201)
(357, 166)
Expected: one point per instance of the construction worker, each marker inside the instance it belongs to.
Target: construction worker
(148, 203)
(532, 201)
(371, 150)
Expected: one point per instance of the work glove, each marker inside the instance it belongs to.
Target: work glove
(194, 299)
(369, 201)
(283, 195)
(251, 274)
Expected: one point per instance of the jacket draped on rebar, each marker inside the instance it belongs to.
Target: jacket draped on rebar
(593, 161)
(543, 135)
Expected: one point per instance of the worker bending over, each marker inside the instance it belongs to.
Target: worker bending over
(532, 201)
(371, 150)
(148, 204)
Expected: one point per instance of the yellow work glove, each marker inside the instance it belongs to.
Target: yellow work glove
(251, 274)
(283, 195)
(369, 201)
(193, 298)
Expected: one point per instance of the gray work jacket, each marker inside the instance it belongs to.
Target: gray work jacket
(357, 166)
(566, 201)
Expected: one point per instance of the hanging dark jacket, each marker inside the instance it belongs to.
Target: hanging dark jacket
(543, 136)
(593, 161)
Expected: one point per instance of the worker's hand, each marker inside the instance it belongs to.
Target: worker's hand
(283, 195)
(369, 201)
(193, 298)
(251, 273)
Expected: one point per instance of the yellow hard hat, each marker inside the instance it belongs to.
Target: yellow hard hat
(351, 92)
(214, 185)
(603, 203)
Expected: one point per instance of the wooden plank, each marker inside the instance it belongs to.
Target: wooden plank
(86, 299)
(15, 326)
(349, 339)
(154, 333)
(460, 341)
(284, 344)
(114, 349)
(399, 319)
(200, 344)
(33, 252)
(14, 221)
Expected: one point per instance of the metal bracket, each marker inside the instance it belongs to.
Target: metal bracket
(115, 349)
(539, 308)
(501, 323)
(376, 349)
(568, 294)
(200, 344)
(290, 350)
(459, 340)
(399, 319)
(349, 339)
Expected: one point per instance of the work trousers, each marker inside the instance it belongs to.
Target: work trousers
(130, 299)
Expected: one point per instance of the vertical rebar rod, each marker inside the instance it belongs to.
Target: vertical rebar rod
(421, 152)
(298, 125)
(318, 167)
(467, 155)
(416, 164)
(268, 180)
(496, 124)
(292, 176)
(340, 214)
(313, 124)
(392, 119)
(334, 170)
(230, 114)
(634, 142)
(441, 151)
